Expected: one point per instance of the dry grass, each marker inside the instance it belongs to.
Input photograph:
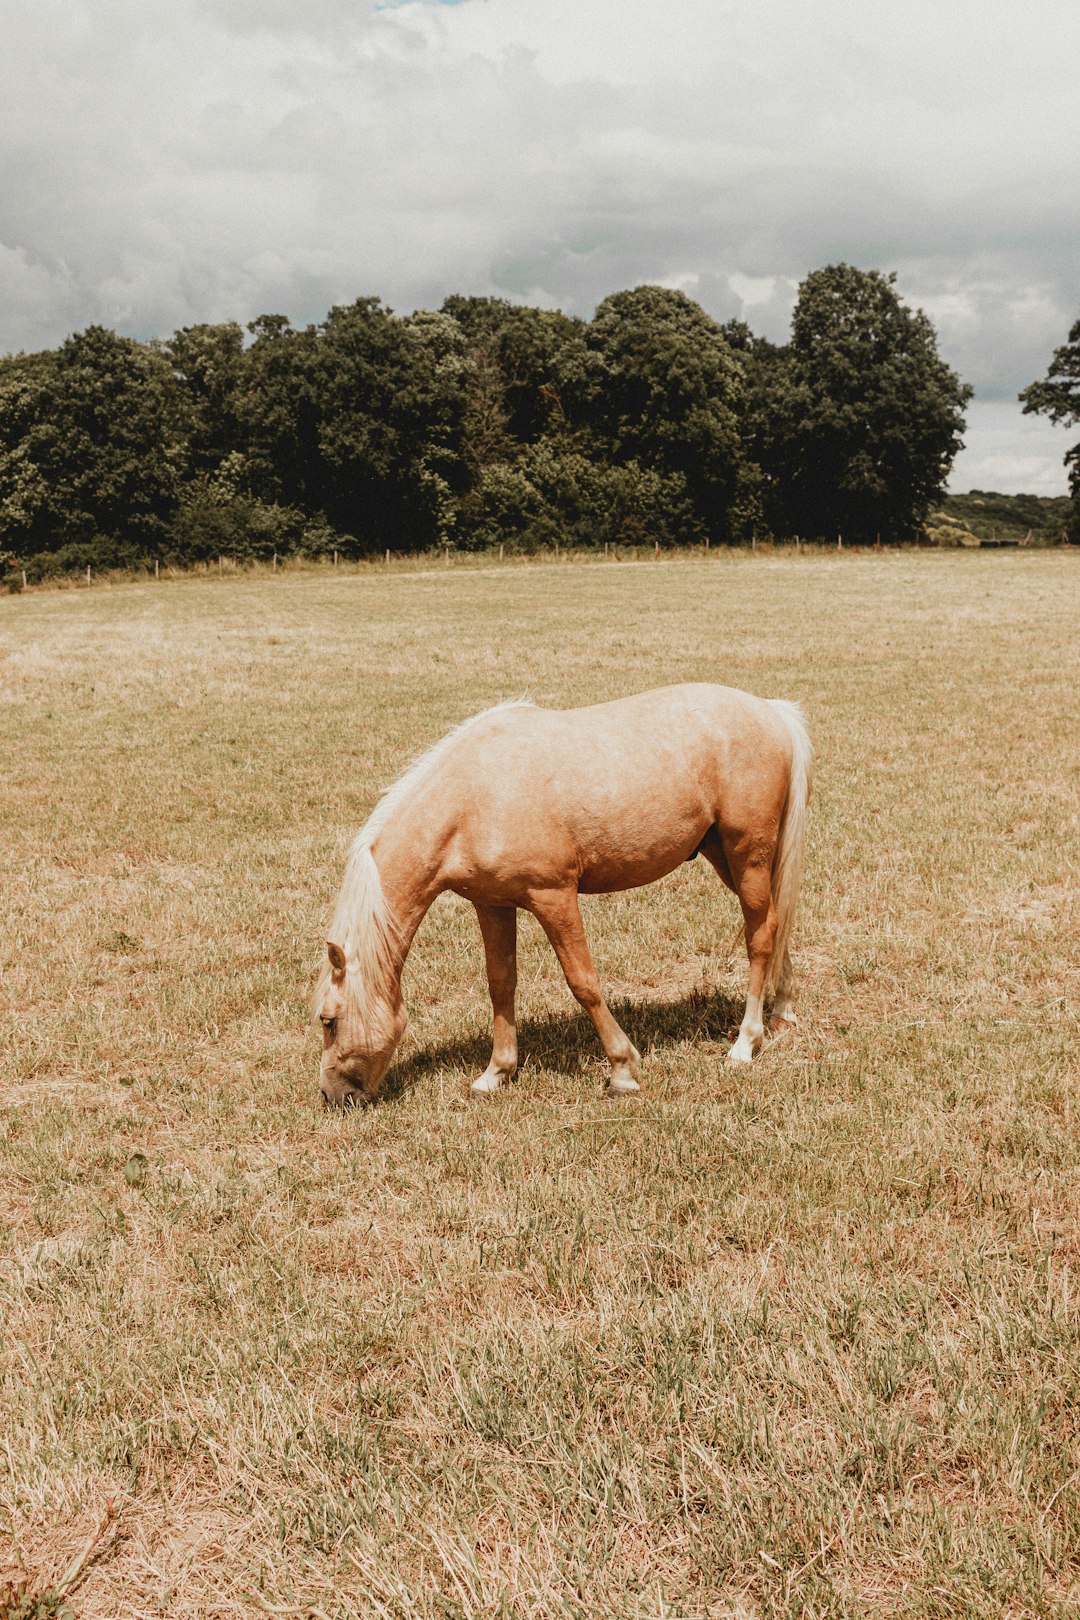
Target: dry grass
(798, 1342)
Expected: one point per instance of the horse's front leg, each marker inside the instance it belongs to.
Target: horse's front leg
(498, 924)
(559, 915)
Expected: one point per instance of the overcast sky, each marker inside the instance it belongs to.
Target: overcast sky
(202, 160)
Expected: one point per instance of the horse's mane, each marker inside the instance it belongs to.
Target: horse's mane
(363, 923)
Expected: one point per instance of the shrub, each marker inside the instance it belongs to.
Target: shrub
(213, 521)
(552, 495)
(102, 553)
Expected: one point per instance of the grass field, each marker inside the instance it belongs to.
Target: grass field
(803, 1340)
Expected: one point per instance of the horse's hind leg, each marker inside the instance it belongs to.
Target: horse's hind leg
(753, 885)
(559, 915)
(783, 1018)
(498, 925)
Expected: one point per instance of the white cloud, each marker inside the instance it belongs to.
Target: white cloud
(209, 159)
(752, 290)
(1011, 453)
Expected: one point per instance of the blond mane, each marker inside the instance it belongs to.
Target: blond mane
(363, 924)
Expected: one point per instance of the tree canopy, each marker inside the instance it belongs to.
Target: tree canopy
(669, 396)
(90, 443)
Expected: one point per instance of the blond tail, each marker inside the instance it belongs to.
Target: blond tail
(790, 847)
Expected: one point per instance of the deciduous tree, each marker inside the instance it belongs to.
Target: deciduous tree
(859, 419)
(1058, 397)
(91, 444)
(669, 397)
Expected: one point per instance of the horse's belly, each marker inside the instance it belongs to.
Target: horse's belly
(630, 855)
(604, 877)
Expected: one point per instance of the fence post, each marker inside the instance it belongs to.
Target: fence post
(24, 579)
(656, 549)
(88, 573)
(157, 568)
(335, 556)
(388, 553)
(274, 568)
(446, 557)
(500, 551)
(839, 542)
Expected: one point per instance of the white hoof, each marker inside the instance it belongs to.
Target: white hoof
(742, 1051)
(488, 1084)
(623, 1079)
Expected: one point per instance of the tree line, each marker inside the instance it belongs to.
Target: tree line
(481, 424)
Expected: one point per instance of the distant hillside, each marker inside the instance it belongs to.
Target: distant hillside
(989, 516)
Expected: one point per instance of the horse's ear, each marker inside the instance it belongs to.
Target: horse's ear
(337, 957)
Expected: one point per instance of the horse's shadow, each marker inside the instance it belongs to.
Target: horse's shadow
(560, 1041)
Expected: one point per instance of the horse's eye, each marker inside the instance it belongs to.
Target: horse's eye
(330, 1025)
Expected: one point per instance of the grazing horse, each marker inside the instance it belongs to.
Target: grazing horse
(529, 807)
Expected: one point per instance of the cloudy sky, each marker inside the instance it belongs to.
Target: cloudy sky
(170, 161)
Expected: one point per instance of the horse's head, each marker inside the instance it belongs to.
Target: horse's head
(360, 1033)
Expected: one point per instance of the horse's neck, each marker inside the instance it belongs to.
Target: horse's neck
(408, 859)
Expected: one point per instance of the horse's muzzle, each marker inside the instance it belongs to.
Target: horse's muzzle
(352, 1097)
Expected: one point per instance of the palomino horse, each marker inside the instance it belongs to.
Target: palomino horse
(528, 807)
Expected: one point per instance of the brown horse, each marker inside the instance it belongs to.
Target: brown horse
(528, 807)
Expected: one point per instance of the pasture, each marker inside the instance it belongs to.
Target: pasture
(802, 1339)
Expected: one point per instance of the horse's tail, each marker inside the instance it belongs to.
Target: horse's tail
(790, 845)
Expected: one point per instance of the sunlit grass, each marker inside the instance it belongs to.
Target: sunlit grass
(802, 1341)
